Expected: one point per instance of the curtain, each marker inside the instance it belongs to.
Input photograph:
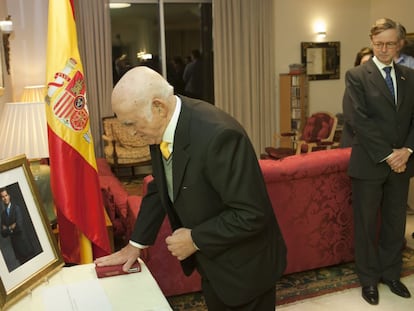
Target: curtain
(94, 35)
(244, 65)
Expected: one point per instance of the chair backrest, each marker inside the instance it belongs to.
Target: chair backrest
(124, 135)
(320, 126)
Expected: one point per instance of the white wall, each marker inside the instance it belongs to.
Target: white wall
(7, 93)
(400, 10)
(347, 21)
(28, 43)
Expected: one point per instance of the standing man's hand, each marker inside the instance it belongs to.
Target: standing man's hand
(181, 244)
(398, 160)
(127, 256)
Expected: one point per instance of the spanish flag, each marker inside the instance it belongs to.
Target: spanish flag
(73, 171)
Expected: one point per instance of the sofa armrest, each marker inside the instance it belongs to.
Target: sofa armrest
(306, 165)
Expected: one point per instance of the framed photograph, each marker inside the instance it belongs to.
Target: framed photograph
(28, 249)
(409, 44)
(321, 59)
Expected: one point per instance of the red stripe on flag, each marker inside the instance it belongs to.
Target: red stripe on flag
(64, 105)
(79, 204)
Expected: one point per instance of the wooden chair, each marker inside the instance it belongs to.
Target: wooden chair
(123, 148)
(318, 134)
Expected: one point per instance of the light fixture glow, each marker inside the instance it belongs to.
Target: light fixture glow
(6, 26)
(319, 27)
(119, 5)
(144, 55)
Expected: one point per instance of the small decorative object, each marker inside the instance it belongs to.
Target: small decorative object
(29, 252)
(296, 69)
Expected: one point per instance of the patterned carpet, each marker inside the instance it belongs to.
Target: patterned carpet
(300, 285)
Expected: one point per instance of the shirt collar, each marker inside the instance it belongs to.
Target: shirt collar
(172, 125)
(381, 65)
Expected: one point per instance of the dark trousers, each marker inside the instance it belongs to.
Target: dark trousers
(264, 302)
(379, 218)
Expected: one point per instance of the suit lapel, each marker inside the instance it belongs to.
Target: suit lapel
(379, 82)
(401, 85)
(158, 172)
(181, 143)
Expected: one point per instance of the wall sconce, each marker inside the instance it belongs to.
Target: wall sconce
(143, 56)
(119, 5)
(6, 28)
(321, 34)
(319, 28)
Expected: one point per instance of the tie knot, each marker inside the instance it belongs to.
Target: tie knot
(387, 69)
(165, 150)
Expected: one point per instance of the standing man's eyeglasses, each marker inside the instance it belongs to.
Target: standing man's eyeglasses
(388, 45)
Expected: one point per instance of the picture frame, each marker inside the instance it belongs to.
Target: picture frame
(28, 250)
(409, 44)
(321, 59)
(2, 59)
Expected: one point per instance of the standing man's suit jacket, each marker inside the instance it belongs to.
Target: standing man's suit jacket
(379, 125)
(219, 193)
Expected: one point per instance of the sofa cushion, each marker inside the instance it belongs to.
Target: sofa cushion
(118, 192)
(317, 163)
(134, 204)
(118, 226)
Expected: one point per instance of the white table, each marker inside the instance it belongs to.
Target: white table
(136, 291)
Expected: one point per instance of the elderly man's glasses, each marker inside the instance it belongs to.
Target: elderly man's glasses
(388, 45)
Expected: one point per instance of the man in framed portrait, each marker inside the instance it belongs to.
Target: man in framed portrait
(12, 226)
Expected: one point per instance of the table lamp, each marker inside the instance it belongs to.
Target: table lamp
(23, 130)
(33, 93)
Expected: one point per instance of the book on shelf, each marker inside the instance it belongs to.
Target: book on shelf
(295, 102)
(295, 125)
(296, 113)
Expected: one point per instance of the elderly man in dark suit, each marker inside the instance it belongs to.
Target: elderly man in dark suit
(208, 182)
(380, 95)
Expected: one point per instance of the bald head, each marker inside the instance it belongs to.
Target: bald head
(136, 90)
(145, 100)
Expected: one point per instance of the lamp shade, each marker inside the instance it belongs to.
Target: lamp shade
(33, 93)
(23, 129)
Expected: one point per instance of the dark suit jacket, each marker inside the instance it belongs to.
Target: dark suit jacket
(18, 238)
(378, 123)
(220, 194)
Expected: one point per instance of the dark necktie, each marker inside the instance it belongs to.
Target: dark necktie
(388, 80)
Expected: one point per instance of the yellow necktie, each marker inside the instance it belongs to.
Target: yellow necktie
(164, 149)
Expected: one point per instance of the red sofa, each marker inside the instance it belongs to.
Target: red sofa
(311, 197)
(115, 200)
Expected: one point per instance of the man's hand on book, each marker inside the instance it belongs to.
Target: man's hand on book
(127, 256)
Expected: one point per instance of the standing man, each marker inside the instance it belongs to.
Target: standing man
(406, 60)
(193, 76)
(381, 96)
(209, 184)
(12, 225)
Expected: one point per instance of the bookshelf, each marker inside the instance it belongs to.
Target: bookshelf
(293, 104)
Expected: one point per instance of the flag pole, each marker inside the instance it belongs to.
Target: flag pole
(85, 249)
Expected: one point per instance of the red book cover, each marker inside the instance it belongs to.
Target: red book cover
(103, 272)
